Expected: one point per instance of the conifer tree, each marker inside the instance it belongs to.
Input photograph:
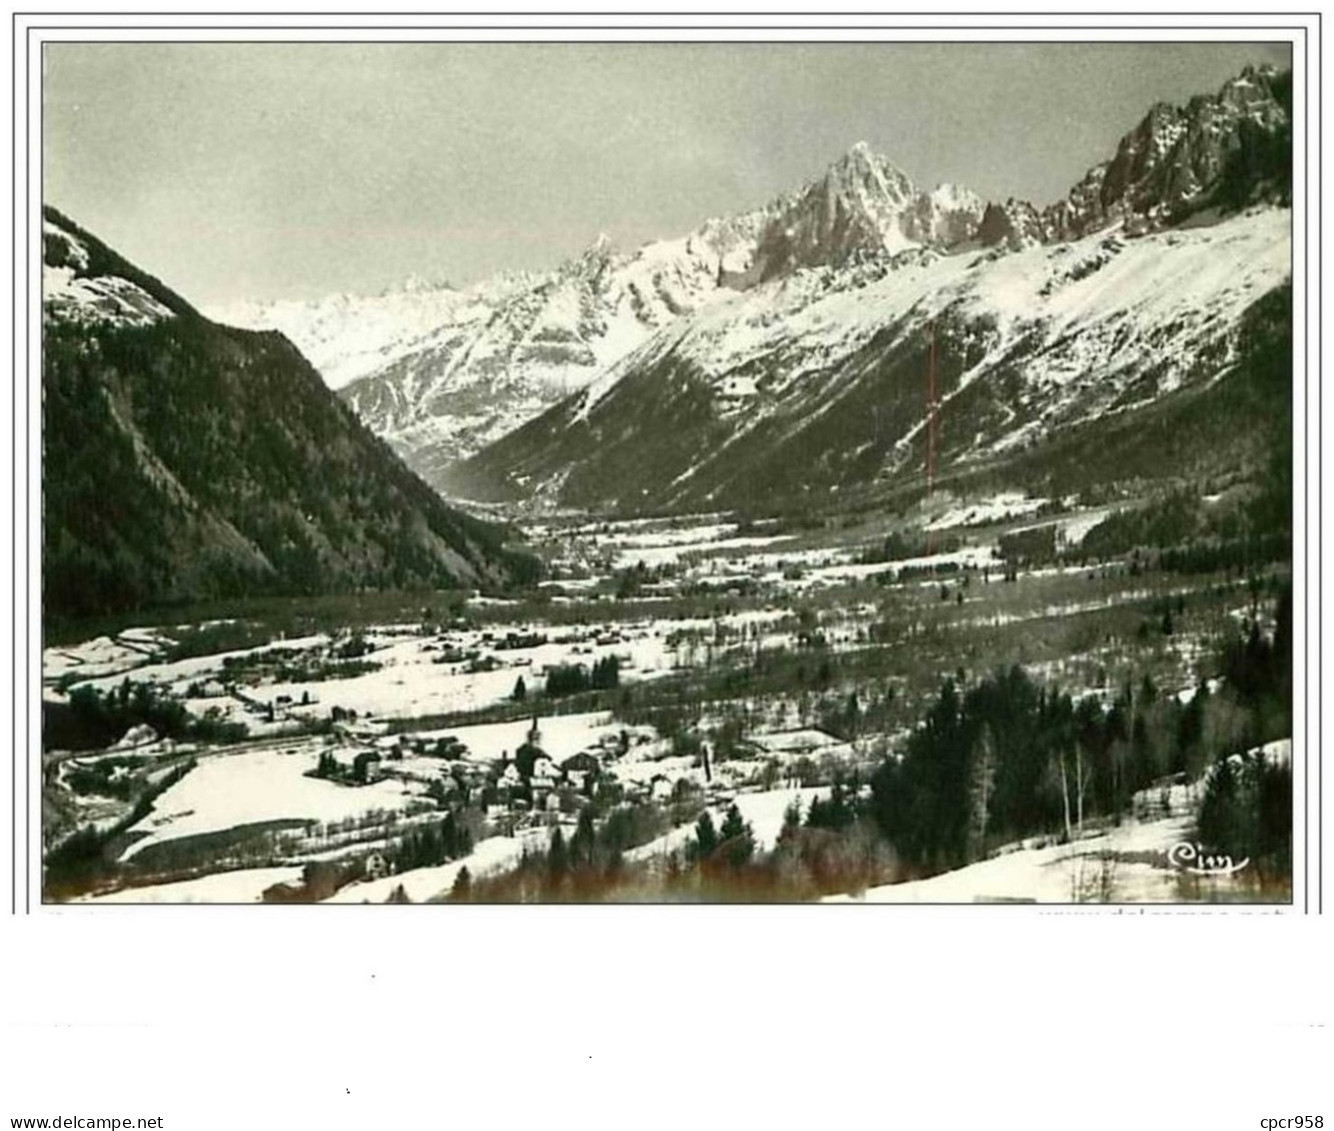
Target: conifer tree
(706, 837)
(738, 838)
(461, 892)
(583, 841)
(558, 862)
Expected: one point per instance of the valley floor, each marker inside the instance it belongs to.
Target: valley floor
(670, 672)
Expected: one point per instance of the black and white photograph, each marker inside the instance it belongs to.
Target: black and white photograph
(667, 472)
(627, 569)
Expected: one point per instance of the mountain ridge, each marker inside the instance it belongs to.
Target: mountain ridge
(821, 388)
(450, 392)
(184, 459)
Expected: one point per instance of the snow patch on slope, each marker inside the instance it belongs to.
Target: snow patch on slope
(68, 293)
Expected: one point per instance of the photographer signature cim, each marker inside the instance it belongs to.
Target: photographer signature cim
(1192, 858)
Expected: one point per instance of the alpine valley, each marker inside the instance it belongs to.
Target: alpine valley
(880, 542)
(783, 352)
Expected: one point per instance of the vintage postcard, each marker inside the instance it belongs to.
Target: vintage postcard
(669, 471)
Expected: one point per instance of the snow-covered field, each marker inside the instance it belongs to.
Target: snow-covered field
(792, 573)
(1084, 871)
(409, 681)
(704, 549)
(245, 788)
(99, 657)
(245, 885)
(1108, 867)
(178, 674)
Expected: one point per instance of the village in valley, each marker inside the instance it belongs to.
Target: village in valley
(668, 680)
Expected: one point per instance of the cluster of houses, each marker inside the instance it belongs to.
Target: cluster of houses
(531, 779)
(537, 785)
(535, 778)
(532, 788)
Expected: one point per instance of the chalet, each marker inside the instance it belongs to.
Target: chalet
(585, 762)
(389, 742)
(372, 764)
(450, 747)
(517, 640)
(470, 774)
(376, 866)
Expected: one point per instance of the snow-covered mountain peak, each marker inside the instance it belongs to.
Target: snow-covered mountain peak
(1174, 156)
(592, 263)
(862, 206)
(868, 177)
(441, 373)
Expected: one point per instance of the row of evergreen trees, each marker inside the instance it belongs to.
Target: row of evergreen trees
(431, 844)
(572, 679)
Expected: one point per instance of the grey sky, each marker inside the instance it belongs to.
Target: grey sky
(277, 170)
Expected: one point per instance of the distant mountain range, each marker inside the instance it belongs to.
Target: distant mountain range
(820, 385)
(184, 459)
(783, 350)
(1128, 302)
